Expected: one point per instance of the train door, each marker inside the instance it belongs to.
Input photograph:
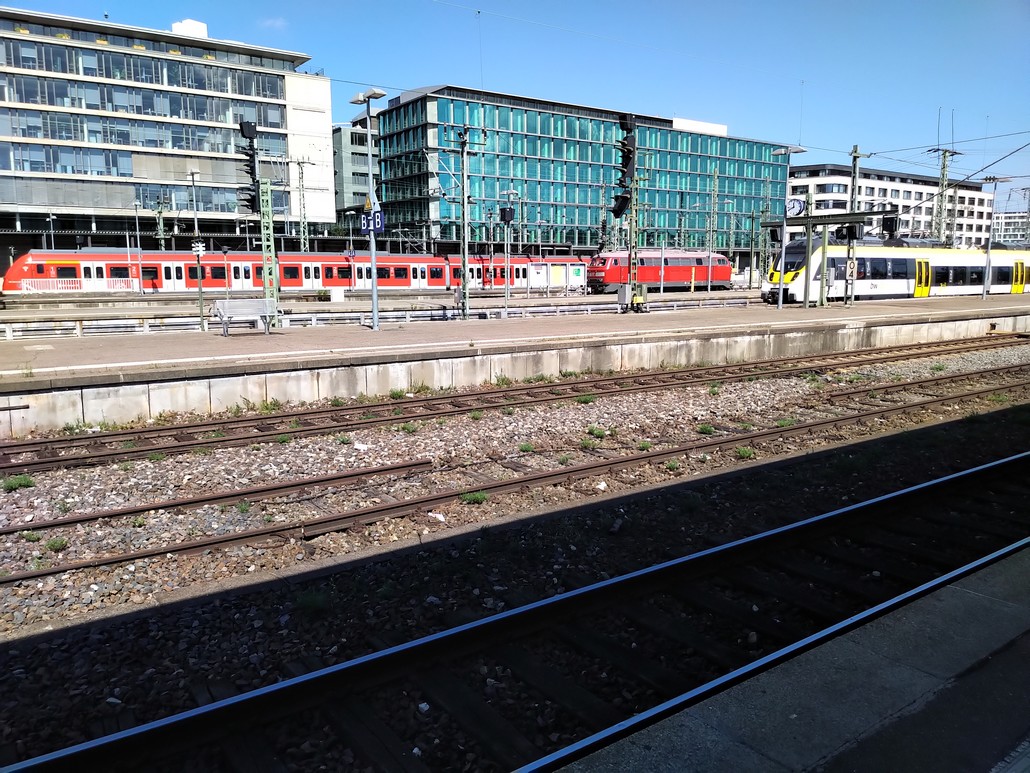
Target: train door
(362, 276)
(172, 277)
(537, 278)
(1018, 276)
(94, 277)
(312, 274)
(419, 276)
(922, 278)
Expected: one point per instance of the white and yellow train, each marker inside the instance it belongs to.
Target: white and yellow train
(900, 268)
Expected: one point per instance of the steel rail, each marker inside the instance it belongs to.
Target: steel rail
(433, 407)
(333, 522)
(190, 730)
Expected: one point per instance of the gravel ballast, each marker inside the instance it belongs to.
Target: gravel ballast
(56, 682)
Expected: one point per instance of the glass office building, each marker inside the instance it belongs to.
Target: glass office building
(556, 165)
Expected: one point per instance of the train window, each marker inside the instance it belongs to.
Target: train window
(291, 272)
(100, 272)
(1002, 275)
(940, 275)
(328, 272)
(246, 272)
(860, 271)
(66, 272)
(422, 272)
(307, 272)
(235, 272)
(87, 272)
(381, 273)
(401, 272)
(456, 273)
(479, 272)
(119, 272)
(318, 272)
(900, 268)
(344, 272)
(959, 275)
(40, 268)
(218, 272)
(878, 268)
(178, 272)
(361, 272)
(435, 272)
(976, 275)
(168, 273)
(150, 273)
(192, 272)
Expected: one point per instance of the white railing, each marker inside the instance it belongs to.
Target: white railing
(78, 285)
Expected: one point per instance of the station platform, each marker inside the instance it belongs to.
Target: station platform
(40, 364)
(942, 686)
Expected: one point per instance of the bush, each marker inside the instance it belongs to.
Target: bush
(474, 497)
(57, 544)
(16, 482)
(586, 399)
(706, 429)
(745, 453)
(525, 447)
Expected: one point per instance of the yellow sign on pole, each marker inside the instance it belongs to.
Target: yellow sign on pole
(368, 204)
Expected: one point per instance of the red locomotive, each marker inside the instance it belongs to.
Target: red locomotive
(660, 269)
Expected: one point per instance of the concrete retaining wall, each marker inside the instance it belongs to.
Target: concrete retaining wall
(126, 398)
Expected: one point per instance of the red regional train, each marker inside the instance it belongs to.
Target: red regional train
(106, 270)
(660, 268)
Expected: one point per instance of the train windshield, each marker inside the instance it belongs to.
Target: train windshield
(795, 257)
(597, 260)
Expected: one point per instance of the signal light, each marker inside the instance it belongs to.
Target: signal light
(628, 149)
(248, 198)
(621, 205)
(249, 161)
(890, 225)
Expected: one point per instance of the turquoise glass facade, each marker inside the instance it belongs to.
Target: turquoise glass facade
(563, 161)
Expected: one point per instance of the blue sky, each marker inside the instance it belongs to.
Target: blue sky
(895, 77)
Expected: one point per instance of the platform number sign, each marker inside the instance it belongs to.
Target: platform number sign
(852, 269)
(373, 221)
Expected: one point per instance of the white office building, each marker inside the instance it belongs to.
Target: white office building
(104, 124)
(350, 152)
(967, 213)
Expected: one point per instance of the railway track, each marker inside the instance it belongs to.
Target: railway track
(548, 682)
(868, 406)
(36, 455)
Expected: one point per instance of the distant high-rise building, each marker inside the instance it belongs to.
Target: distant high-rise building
(102, 122)
(350, 163)
(967, 206)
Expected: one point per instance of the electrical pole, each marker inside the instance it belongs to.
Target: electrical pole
(463, 137)
(853, 198)
(937, 224)
(303, 209)
(710, 236)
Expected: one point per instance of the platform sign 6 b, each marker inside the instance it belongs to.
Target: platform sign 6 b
(373, 221)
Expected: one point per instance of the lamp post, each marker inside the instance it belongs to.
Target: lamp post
(365, 98)
(990, 236)
(511, 193)
(50, 218)
(350, 229)
(785, 151)
(139, 248)
(198, 248)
